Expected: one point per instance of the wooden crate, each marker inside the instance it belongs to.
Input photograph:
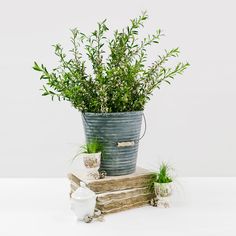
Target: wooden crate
(118, 193)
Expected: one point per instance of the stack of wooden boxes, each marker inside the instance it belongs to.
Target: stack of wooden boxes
(118, 193)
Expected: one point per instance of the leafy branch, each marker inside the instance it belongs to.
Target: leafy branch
(121, 81)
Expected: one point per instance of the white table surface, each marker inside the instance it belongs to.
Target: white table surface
(200, 206)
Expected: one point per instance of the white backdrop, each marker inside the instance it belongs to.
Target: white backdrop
(191, 124)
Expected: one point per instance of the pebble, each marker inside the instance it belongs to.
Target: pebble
(88, 219)
(154, 202)
(102, 174)
(98, 216)
(97, 213)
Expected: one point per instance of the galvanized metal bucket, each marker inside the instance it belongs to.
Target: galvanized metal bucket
(119, 133)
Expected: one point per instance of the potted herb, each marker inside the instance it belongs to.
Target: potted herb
(163, 181)
(91, 154)
(111, 98)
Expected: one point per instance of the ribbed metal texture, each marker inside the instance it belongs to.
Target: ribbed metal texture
(109, 129)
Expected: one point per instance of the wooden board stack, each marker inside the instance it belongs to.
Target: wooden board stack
(118, 193)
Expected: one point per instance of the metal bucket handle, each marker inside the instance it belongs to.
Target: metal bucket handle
(124, 143)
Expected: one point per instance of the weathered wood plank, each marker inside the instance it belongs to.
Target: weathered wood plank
(116, 195)
(126, 207)
(123, 194)
(115, 204)
(141, 178)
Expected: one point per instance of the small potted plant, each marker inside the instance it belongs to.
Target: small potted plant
(91, 154)
(163, 181)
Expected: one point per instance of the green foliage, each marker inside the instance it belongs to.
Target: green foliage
(93, 146)
(163, 175)
(120, 82)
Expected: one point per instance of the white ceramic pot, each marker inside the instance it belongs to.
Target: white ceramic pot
(163, 189)
(92, 163)
(83, 202)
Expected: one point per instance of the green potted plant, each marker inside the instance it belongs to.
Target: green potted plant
(111, 98)
(163, 181)
(91, 154)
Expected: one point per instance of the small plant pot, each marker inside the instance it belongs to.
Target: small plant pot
(163, 189)
(92, 163)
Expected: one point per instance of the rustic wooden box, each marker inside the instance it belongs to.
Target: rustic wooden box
(118, 193)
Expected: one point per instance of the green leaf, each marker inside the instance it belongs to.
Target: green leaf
(36, 67)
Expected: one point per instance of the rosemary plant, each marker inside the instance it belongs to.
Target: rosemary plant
(120, 81)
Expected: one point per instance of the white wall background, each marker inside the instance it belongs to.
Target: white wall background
(191, 124)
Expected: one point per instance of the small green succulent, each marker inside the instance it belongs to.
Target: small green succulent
(163, 175)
